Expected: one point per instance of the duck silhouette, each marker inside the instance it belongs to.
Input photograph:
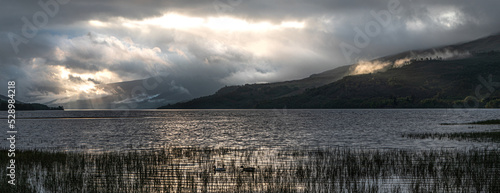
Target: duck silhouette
(216, 169)
(248, 169)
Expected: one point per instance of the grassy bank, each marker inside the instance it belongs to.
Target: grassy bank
(485, 122)
(488, 136)
(190, 169)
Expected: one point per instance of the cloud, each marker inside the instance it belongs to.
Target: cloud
(204, 45)
(367, 67)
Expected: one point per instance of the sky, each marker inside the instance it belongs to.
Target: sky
(61, 50)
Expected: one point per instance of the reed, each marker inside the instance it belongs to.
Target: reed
(485, 122)
(190, 169)
(487, 136)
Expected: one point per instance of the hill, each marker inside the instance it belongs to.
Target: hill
(133, 94)
(25, 106)
(249, 95)
(145, 93)
(440, 77)
(423, 84)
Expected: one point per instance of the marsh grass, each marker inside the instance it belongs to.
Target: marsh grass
(487, 136)
(190, 169)
(485, 122)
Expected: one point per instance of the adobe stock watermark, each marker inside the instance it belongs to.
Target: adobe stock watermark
(11, 132)
(487, 84)
(280, 118)
(138, 91)
(40, 19)
(225, 6)
(372, 29)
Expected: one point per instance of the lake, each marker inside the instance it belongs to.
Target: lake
(343, 150)
(120, 130)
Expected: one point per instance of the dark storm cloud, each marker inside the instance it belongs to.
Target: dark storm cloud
(479, 16)
(211, 59)
(74, 10)
(94, 81)
(75, 79)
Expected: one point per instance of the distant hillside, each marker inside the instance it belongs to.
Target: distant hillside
(145, 93)
(123, 97)
(249, 95)
(423, 84)
(25, 106)
(440, 77)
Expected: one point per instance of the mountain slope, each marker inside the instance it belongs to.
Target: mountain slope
(423, 84)
(146, 93)
(248, 96)
(25, 106)
(438, 77)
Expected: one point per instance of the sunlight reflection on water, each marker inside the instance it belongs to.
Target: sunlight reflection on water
(146, 129)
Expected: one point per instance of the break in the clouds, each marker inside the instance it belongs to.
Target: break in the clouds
(62, 50)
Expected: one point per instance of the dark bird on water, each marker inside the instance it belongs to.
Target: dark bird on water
(248, 169)
(216, 169)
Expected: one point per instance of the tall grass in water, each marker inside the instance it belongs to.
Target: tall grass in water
(486, 136)
(187, 169)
